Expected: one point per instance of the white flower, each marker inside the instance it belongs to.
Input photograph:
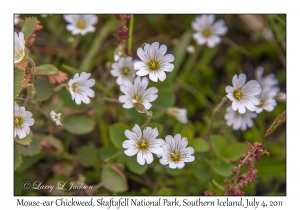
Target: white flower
(79, 88)
(179, 114)
(207, 31)
(137, 93)
(239, 121)
(268, 81)
(154, 62)
(81, 24)
(143, 144)
(243, 95)
(55, 117)
(22, 121)
(16, 19)
(123, 69)
(19, 50)
(267, 100)
(175, 152)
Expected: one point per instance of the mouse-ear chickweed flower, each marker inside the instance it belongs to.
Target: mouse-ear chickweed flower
(55, 117)
(22, 121)
(81, 24)
(143, 143)
(80, 88)
(267, 100)
(179, 114)
(19, 50)
(243, 95)
(207, 31)
(138, 93)
(268, 81)
(154, 62)
(123, 69)
(239, 121)
(175, 153)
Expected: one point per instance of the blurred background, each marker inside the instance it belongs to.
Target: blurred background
(88, 147)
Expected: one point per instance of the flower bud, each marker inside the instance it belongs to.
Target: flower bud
(138, 106)
(179, 114)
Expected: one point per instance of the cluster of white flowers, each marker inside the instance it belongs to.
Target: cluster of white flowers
(249, 99)
(154, 62)
(173, 151)
(129, 74)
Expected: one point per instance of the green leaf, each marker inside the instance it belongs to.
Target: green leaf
(235, 151)
(270, 167)
(164, 191)
(199, 145)
(108, 153)
(19, 75)
(223, 169)
(218, 185)
(17, 158)
(28, 27)
(186, 130)
(134, 166)
(24, 141)
(117, 134)
(218, 144)
(106, 30)
(113, 178)
(43, 89)
(79, 124)
(200, 171)
(179, 54)
(87, 155)
(33, 148)
(166, 99)
(28, 162)
(56, 143)
(173, 172)
(45, 69)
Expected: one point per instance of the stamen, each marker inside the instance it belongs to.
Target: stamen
(18, 121)
(153, 65)
(238, 94)
(206, 32)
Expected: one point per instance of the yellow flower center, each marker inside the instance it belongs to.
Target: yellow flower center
(175, 157)
(238, 94)
(206, 32)
(261, 104)
(18, 55)
(153, 65)
(18, 121)
(143, 144)
(125, 71)
(81, 24)
(74, 87)
(138, 98)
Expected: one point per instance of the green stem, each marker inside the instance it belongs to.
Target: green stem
(149, 115)
(215, 111)
(130, 34)
(236, 46)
